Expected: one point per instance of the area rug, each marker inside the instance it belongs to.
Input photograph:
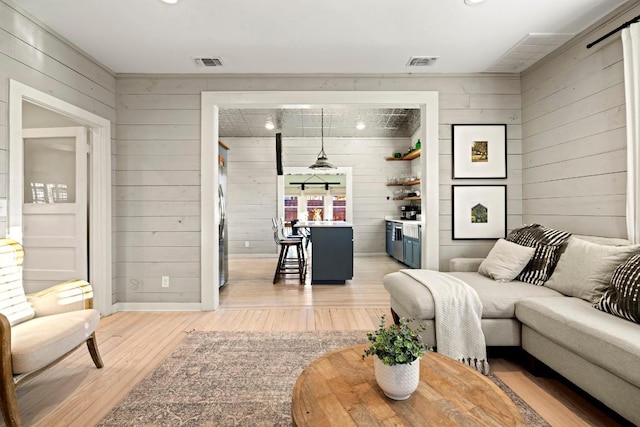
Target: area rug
(237, 379)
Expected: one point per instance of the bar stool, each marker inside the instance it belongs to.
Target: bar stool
(288, 265)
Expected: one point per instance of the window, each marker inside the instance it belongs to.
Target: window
(290, 208)
(339, 208)
(315, 208)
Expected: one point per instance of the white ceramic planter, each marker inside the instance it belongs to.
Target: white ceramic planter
(397, 381)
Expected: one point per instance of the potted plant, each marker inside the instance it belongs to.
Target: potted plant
(398, 349)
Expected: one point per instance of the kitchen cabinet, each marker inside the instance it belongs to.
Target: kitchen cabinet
(389, 240)
(331, 251)
(394, 241)
(412, 252)
(402, 246)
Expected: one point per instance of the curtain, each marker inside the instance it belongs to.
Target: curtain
(631, 54)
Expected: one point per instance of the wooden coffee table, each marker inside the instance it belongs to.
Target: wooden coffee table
(339, 389)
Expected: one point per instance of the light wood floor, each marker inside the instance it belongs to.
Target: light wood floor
(132, 344)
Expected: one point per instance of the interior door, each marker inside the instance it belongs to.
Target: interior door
(54, 214)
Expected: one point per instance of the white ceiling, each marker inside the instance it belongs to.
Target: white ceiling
(319, 37)
(317, 122)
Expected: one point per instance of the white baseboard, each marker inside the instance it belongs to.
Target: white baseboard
(241, 256)
(157, 306)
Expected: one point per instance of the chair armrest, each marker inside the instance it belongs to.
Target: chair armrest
(465, 264)
(6, 369)
(5, 340)
(61, 298)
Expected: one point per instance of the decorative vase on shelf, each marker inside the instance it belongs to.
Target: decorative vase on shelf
(397, 382)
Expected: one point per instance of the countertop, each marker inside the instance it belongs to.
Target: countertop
(403, 221)
(311, 224)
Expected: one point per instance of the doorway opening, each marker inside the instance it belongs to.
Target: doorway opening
(98, 177)
(425, 101)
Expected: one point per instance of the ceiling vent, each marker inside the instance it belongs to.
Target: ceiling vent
(531, 49)
(208, 62)
(422, 61)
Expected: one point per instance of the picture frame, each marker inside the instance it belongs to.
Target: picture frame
(479, 212)
(479, 151)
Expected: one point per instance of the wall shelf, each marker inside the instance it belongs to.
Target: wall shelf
(412, 155)
(405, 184)
(408, 198)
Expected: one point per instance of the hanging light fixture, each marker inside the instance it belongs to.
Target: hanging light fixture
(322, 162)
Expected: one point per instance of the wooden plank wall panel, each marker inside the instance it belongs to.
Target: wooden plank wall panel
(574, 136)
(158, 141)
(158, 197)
(253, 191)
(501, 107)
(35, 56)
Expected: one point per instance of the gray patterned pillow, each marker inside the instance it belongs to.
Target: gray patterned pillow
(622, 299)
(547, 243)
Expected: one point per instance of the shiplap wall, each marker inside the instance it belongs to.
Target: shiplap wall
(158, 171)
(36, 57)
(572, 107)
(574, 155)
(252, 192)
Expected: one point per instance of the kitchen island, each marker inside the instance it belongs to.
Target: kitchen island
(331, 251)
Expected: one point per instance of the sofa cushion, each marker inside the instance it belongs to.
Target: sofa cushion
(622, 297)
(609, 241)
(498, 299)
(585, 269)
(34, 344)
(505, 261)
(547, 243)
(605, 340)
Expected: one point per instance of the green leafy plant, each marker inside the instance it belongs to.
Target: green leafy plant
(396, 344)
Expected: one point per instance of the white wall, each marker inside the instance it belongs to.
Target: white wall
(570, 109)
(158, 170)
(252, 194)
(574, 160)
(36, 57)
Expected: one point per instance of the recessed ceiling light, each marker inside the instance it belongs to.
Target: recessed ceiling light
(360, 125)
(170, 1)
(269, 125)
(472, 2)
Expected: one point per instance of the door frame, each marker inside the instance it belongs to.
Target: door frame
(80, 229)
(211, 102)
(100, 265)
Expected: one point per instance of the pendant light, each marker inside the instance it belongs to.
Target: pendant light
(322, 162)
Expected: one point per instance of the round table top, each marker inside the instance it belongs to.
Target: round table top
(339, 389)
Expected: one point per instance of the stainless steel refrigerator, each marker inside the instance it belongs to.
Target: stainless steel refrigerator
(223, 244)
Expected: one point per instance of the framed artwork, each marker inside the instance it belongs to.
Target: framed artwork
(479, 212)
(479, 151)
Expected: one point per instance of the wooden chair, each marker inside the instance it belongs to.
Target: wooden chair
(285, 264)
(38, 330)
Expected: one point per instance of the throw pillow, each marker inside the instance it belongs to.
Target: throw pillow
(585, 268)
(622, 298)
(505, 261)
(547, 243)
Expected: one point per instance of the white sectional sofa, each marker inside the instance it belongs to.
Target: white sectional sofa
(556, 323)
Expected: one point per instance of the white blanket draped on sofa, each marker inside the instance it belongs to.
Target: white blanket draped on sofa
(458, 311)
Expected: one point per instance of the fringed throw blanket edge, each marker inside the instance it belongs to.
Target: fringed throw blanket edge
(480, 365)
(458, 312)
